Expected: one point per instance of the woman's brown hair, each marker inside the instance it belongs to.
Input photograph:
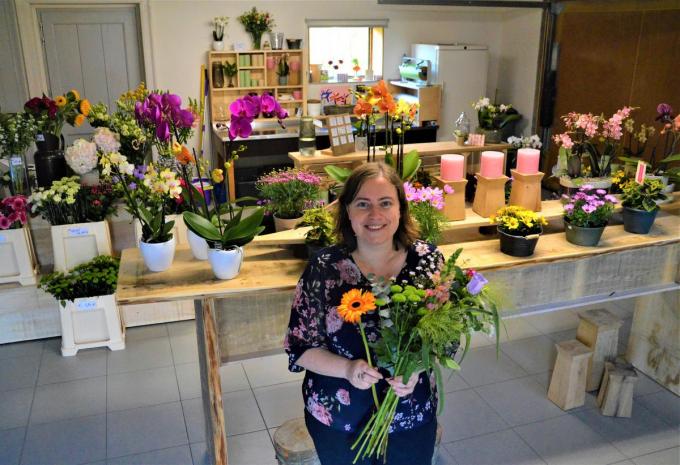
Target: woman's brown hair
(406, 231)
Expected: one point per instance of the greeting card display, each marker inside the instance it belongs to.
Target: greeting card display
(340, 134)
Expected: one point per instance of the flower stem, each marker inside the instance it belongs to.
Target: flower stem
(370, 364)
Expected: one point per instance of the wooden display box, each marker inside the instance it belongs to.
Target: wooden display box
(17, 257)
(73, 244)
(91, 322)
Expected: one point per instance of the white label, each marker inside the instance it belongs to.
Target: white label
(2, 238)
(40, 138)
(86, 305)
(78, 231)
(15, 161)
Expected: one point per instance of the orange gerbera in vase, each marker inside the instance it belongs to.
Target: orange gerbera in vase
(355, 303)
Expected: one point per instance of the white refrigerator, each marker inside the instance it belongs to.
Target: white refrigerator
(462, 70)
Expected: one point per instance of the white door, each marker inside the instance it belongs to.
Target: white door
(95, 50)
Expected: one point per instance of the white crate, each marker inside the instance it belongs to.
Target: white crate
(73, 244)
(17, 257)
(91, 322)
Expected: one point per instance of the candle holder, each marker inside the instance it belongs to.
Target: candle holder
(526, 190)
(490, 195)
(454, 204)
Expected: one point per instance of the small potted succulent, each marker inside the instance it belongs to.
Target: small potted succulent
(322, 229)
(519, 230)
(586, 214)
(640, 204)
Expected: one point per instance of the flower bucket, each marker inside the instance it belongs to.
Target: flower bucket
(199, 247)
(17, 257)
(284, 224)
(638, 221)
(50, 166)
(89, 322)
(587, 237)
(73, 244)
(226, 264)
(518, 246)
(158, 257)
(46, 142)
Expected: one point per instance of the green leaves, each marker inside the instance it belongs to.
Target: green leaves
(338, 173)
(97, 277)
(412, 163)
(236, 232)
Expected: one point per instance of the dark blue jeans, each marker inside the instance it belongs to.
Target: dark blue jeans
(413, 447)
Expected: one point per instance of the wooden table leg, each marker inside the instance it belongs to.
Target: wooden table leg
(211, 388)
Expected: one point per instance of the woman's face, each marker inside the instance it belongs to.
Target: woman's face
(374, 212)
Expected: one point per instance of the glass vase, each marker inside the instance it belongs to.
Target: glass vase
(257, 39)
(307, 140)
(18, 174)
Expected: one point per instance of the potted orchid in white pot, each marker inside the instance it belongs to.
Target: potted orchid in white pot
(219, 23)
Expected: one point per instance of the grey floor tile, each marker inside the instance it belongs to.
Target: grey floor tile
(624, 462)
(68, 442)
(178, 328)
(180, 455)
(11, 441)
(240, 412)
(504, 447)
(18, 372)
(184, 348)
(453, 381)
(198, 453)
(641, 434)
(233, 377)
(60, 401)
(565, 335)
(664, 404)
(145, 429)
(141, 333)
(664, 457)
(646, 385)
(251, 449)
(484, 366)
(467, 415)
(15, 406)
(444, 457)
(141, 388)
(280, 403)
(266, 371)
(551, 322)
(519, 401)
(534, 354)
(56, 368)
(21, 349)
(565, 440)
(141, 355)
(189, 380)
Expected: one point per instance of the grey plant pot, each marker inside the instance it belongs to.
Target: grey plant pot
(587, 237)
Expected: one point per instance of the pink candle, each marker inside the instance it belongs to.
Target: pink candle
(527, 161)
(492, 164)
(452, 167)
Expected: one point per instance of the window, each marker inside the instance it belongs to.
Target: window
(351, 47)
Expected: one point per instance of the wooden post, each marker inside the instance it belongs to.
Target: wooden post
(490, 195)
(211, 387)
(526, 190)
(599, 330)
(616, 394)
(454, 204)
(568, 383)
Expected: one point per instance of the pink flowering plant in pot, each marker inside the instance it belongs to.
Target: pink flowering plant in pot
(586, 214)
(286, 192)
(426, 205)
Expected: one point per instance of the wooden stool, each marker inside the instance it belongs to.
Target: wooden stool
(294, 445)
(568, 383)
(615, 398)
(599, 330)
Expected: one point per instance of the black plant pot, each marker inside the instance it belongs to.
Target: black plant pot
(518, 246)
(45, 142)
(638, 221)
(50, 166)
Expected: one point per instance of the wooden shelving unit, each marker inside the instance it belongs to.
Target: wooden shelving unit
(256, 72)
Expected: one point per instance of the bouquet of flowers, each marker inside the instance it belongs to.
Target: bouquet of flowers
(17, 132)
(287, 191)
(67, 202)
(421, 327)
(82, 157)
(13, 212)
(50, 115)
(494, 116)
(426, 204)
(219, 23)
(256, 23)
(589, 207)
(518, 221)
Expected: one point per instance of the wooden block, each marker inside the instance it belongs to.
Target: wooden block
(568, 383)
(599, 330)
(294, 445)
(526, 190)
(616, 394)
(490, 195)
(454, 204)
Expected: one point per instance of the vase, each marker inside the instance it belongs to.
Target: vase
(45, 142)
(231, 81)
(158, 256)
(257, 39)
(579, 235)
(518, 246)
(574, 166)
(360, 143)
(199, 247)
(217, 45)
(491, 136)
(18, 175)
(638, 221)
(88, 322)
(50, 166)
(276, 39)
(307, 137)
(217, 76)
(226, 264)
(283, 80)
(284, 224)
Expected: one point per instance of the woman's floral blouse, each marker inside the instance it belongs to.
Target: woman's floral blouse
(314, 322)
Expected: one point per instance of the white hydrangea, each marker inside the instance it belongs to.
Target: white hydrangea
(82, 156)
(106, 140)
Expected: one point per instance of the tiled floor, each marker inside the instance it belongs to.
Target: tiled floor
(142, 405)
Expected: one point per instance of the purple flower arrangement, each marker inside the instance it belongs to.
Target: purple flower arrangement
(13, 212)
(289, 191)
(589, 207)
(163, 115)
(244, 110)
(426, 205)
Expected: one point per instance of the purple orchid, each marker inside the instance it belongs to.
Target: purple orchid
(163, 131)
(477, 283)
(240, 126)
(268, 103)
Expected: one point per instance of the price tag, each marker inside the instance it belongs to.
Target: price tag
(86, 305)
(78, 231)
(640, 172)
(40, 137)
(15, 161)
(3, 238)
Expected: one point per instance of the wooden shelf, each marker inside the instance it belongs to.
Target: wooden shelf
(251, 67)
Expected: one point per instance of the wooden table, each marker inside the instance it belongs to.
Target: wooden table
(247, 316)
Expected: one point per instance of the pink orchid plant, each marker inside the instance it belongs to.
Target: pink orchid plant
(426, 205)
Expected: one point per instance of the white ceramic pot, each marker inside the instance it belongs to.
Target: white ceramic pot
(158, 257)
(226, 264)
(284, 224)
(199, 247)
(218, 45)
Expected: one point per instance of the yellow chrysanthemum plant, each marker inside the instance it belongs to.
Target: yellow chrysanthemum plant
(518, 221)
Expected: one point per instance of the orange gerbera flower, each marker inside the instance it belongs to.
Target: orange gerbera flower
(354, 303)
(85, 107)
(79, 120)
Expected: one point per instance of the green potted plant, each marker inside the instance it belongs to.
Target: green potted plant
(321, 234)
(586, 214)
(286, 193)
(283, 70)
(519, 230)
(639, 201)
(219, 23)
(88, 310)
(496, 121)
(230, 70)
